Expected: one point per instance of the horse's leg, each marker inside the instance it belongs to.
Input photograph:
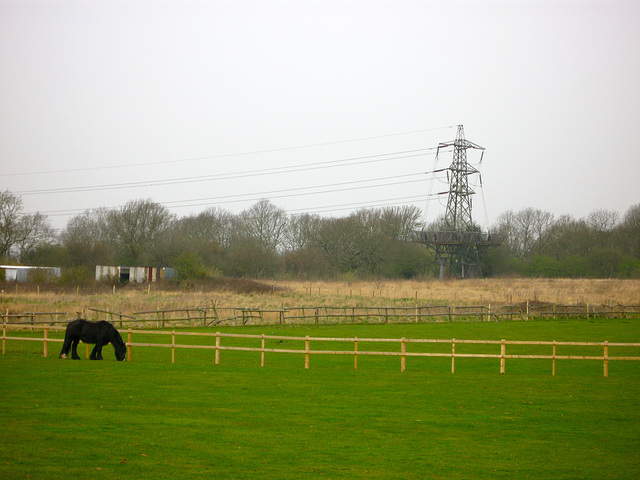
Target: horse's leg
(98, 351)
(74, 349)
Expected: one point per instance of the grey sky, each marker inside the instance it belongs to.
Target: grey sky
(124, 93)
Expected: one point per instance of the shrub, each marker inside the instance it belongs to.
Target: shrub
(76, 277)
(190, 267)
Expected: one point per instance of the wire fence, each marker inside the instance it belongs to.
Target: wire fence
(210, 316)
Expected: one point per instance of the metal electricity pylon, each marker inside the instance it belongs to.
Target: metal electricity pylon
(459, 247)
(458, 213)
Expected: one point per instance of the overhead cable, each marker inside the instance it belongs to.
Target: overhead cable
(384, 157)
(214, 157)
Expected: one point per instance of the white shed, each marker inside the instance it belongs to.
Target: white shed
(133, 274)
(21, 273)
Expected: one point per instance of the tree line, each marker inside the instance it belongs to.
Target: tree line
(264, 241)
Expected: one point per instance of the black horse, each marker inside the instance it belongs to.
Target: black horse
(100, 333)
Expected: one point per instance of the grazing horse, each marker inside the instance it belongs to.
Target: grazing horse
(100, 333)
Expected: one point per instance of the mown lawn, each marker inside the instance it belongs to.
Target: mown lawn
(192, 419)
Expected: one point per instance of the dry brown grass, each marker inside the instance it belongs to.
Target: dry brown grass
(279, 294)
(483, 291)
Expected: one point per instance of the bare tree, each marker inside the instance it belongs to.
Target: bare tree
(86, 239)
(525, 231)
(629, 231)
(266, 223)
(568, 237)
(300, 231)
(21, 233)
(603, 223)
(362, 241)
(34, 230)
(399, 222)
(136, 227)
(212, 225)
(10, 213)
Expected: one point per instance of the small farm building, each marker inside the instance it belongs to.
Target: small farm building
(134, 274)
(23, 273)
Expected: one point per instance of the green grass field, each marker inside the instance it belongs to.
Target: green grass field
(152, 419)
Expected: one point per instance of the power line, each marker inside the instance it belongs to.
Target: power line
(214, 157)
(371, 204)
(226, 199)
(304, 193)
(283, 193)
(228, 176)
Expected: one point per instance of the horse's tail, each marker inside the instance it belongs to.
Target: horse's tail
(70, 334)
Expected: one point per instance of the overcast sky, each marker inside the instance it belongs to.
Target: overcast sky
(320, 106)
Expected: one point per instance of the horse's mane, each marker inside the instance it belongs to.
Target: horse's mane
(117, 341)
(117, 338)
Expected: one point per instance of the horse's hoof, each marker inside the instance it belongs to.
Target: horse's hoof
(63, 356)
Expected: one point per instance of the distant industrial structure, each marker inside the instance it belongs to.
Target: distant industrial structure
(134, 274)
(460, 245)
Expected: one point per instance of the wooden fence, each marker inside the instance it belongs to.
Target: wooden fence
(235, 316)
(211, 316)
(306, 350)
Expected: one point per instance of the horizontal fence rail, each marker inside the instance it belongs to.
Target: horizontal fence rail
(210, 316)
(306, 350)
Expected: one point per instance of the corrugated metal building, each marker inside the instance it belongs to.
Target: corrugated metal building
(21, 273)
(134, 274)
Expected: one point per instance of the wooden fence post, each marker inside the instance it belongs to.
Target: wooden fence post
(606, 359)
(553, 368)
(173, 346)
(306, 352)
(403, 356)
(217, 348)
(262, 352)
(215, 312)
(45, 353)
(355, 355)
(453, 355)
(503, 360)
(4, 335)
(129, 341)
(87, 345)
